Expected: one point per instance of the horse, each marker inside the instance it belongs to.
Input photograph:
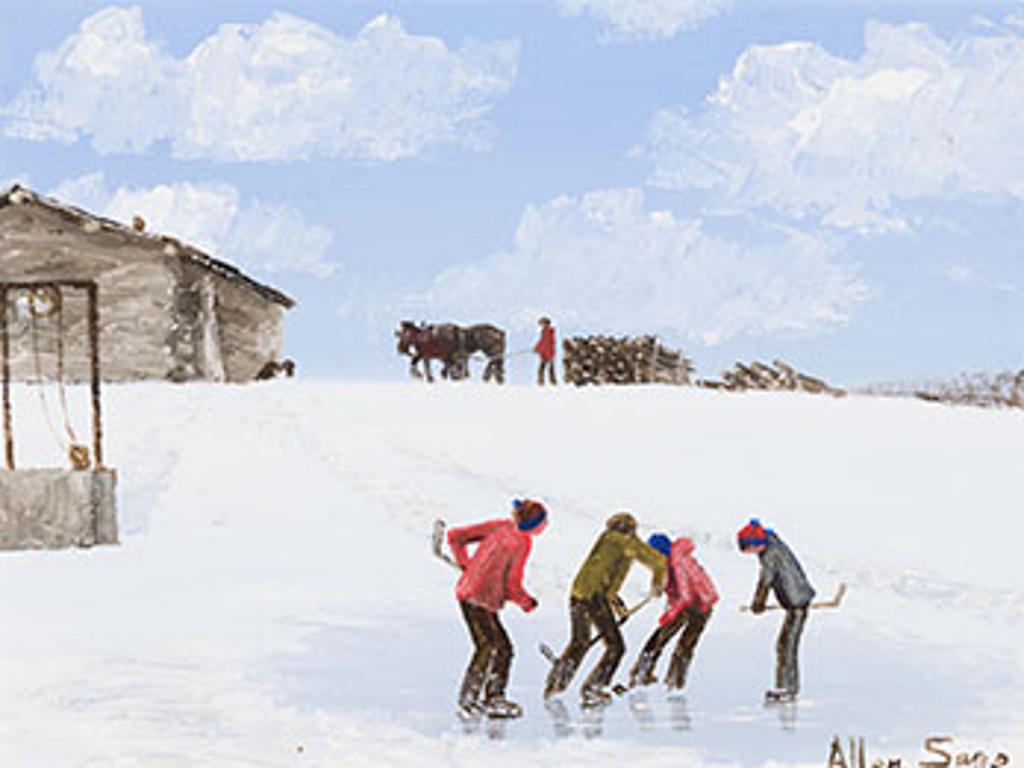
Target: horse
(490, 340)
(453, 345)
(430, 342)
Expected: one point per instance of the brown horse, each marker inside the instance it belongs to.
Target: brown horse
(490, 340)
(453, 345)
(431, 342)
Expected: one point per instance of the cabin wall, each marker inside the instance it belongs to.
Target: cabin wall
(136, 293)
(250, 330)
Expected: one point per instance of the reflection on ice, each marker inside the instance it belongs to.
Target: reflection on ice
(787, 713)
(592, 719)
(641, 710)
(723, 699)
(679, 715)
(560, 719)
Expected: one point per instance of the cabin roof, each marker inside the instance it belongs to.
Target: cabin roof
(171, 246)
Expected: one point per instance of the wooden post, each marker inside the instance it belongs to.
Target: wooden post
(94, 360)
(5, 350)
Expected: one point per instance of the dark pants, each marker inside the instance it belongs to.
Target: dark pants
(550, 366)
(692, 622)
(492, 657)
(583, 614)
(787, 650)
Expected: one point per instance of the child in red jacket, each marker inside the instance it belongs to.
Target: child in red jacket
(690, 596)
(492, 575)
(545, 349)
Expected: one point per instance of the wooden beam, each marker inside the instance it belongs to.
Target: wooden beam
(94, 361)
(5, 351)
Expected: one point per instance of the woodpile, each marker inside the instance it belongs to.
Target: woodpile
(622, 360)
(1004, 390)
(777, 376)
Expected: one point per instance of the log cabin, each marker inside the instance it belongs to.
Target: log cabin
(167, 310)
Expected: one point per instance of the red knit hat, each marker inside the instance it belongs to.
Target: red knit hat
(752, 534)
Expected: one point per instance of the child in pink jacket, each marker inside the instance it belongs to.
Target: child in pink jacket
(492, 575)
(690, 596)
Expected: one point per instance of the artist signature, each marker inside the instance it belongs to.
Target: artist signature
(940, 747)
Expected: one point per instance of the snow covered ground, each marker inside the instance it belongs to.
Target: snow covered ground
(274, 601)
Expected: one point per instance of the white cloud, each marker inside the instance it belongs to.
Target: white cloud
(212, 217)
(284, 89)
(603, 261)
(279, 239)
(847, 142)
(645, 19)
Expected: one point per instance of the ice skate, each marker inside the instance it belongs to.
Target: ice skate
(469, 710)
(642, 672)
(500, 707)
(555, 683)
(779, 696)
(595, 697)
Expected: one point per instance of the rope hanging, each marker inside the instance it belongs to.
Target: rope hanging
(78, 454)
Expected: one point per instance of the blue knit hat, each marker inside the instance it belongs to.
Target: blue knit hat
(660, 542)
(532, 514)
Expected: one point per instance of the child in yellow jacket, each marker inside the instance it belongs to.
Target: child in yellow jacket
(594, 601)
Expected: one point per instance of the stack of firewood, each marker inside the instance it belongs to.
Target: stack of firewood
(622, 360)
(1004, 390)
(778, 375)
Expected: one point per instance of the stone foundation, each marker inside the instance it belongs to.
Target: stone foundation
(57, 508)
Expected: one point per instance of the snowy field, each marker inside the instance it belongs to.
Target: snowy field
(274, 601)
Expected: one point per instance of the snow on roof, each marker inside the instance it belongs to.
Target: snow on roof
(18, 195)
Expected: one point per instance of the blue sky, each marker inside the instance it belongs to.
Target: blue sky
(837, 184)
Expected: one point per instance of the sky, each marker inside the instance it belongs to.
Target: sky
(840, 185)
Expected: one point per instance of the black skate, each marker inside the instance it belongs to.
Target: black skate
(779, 696)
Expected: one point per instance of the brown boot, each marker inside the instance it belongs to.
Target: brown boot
(675, 678)
(642, 672)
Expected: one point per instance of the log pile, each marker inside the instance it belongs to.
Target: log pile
(622, 360)
(1004, 390)
(777, 376)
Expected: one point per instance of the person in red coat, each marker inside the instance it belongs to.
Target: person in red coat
(545, 349)
(690, 596)
(492, 575)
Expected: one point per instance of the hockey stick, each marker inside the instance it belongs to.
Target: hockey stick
(833, 603)
(549, 654)
(437, 542)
